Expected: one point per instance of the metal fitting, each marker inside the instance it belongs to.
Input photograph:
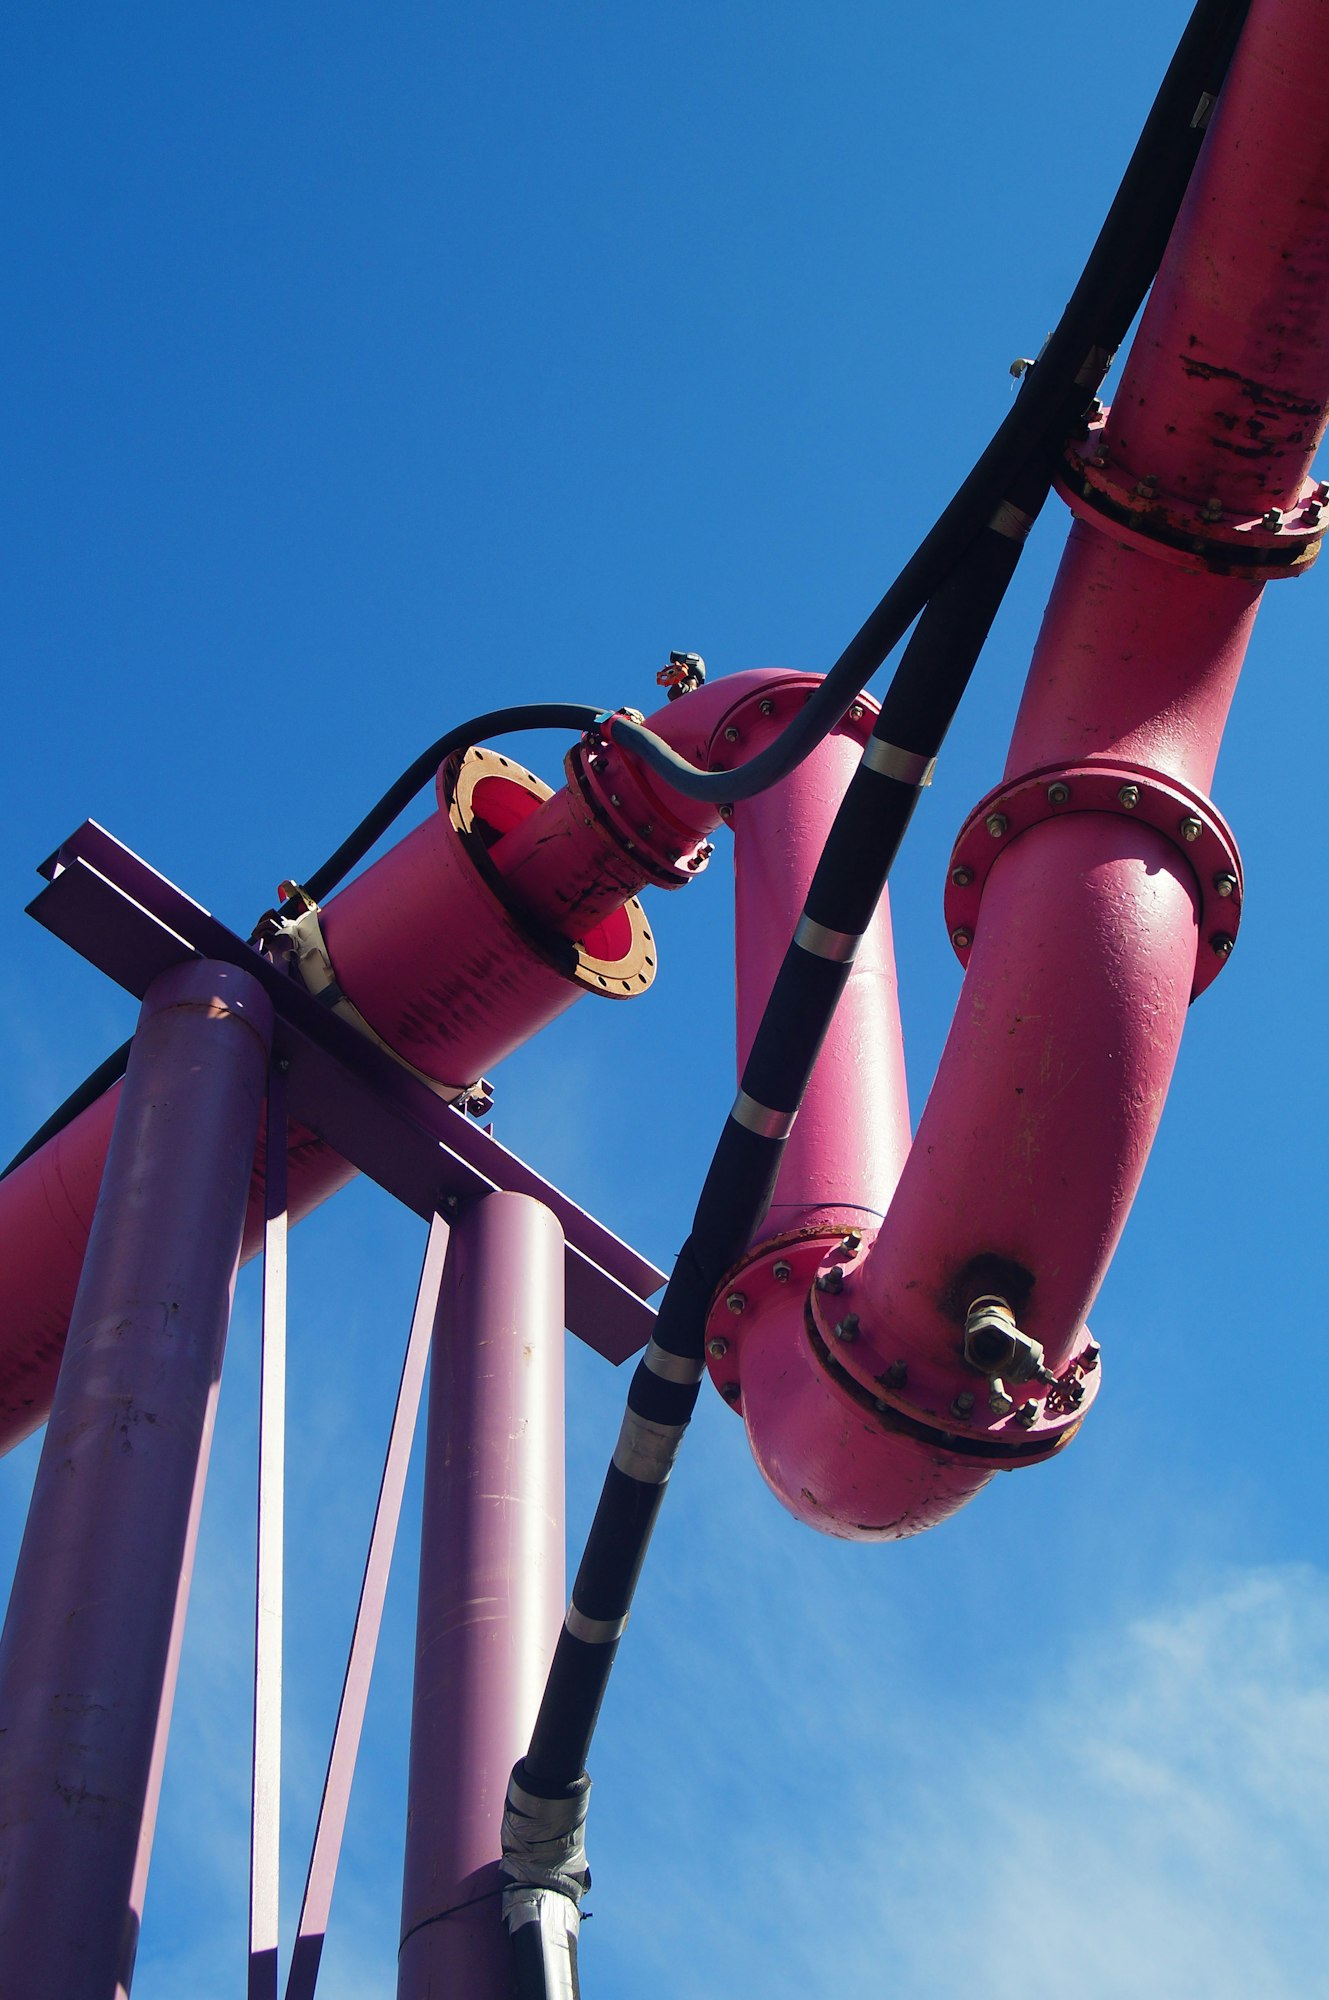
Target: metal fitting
(999, 1402)
(1191, 828)
(1225, 884)
(831, 1281)
(994, 1344)
(736, 1302)
(1129, 796)
(1273, 519)
(962, 877)
(851, 1242)
(1021, 366)
(1221, 942)
(963, 1403)
(961, 938)
(730, 1391)
(1212, 509)
(782, 1271)
(847, 1328)
(1087, 1360)
(996, 824)
(1058, 793)
(896, 1376)
(766, 707)
(717, 1348)
(1027, 1414)
(731, 734)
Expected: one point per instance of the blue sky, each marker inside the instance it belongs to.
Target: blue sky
(369, 366)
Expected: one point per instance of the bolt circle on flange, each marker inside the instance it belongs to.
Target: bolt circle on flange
(1187, 819)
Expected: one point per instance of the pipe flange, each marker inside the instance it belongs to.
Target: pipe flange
(932, 1393)
(1195, 534)
(1131, 791)
(485, 795)
(779, 1268)
(616, 791)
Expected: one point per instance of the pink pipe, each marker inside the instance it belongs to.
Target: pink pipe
(1088, 940)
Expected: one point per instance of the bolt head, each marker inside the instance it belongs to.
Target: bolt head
(1027, 1415)
(1273, 519)
(1225, 884)
(996, 824)
(730, 1391)
(999, 1402)
(736, 1302)
(847, 1328)
(1058, 793)
(1310, 513)
(851, 1242)
(963, 1404)
(962, 877)
(1222, 943)
(1129, 796)
(896, 1376)
(782, 1272)
(856, 712)
(1088, 1360)
(731, 734)
(766, 707)
(831, 1281)
(961, 938)
(1191, 828)
(717, 1348)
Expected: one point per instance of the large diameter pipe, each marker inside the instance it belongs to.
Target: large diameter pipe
(1093, 928)
(87, 1646)
(491, 1585)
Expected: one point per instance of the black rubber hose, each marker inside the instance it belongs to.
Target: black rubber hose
(574, 715)
(1053, 397)
(845, 889)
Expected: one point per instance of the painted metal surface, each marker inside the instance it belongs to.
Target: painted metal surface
(92, 1633)
(269, 1565)
(491, 1586)
(1092, 928)
(349, 1103)
(316, 1904)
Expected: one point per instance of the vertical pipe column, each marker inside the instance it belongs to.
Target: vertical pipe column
(87, 1651)
(491, 1585)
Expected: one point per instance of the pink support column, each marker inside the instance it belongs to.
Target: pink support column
(491, 1585)
(90, 1639)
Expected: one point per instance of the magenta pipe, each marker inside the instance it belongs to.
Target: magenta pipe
(491, 1585)
(1224, 391)
(87, 1644)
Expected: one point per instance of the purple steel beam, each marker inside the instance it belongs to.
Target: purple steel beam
(491, 1586)
(87, 1654)
(265, 1818)
(317, 1904)
(114, 909)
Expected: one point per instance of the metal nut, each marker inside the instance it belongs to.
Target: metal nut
(1191, 828)
(847, 1328)
(1027, 1415)
(766, 707)
(731, 734)
(996, 824)
(1212, 509)
(1129, 796)
(1222, 943)
(736, 1302)
(730, 1391)
(999, 1402)
(961, 938)
(1058, 793)
(962, 877)
(831, 1281)
(781, 1271)
(1088, 1359)
(896, 1376)
(963, 1404)
(717, 1348)
(1225, 884)
(1273, 519)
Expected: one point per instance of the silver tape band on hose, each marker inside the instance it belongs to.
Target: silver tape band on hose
(594, 1631)
(819, 939)
(672, 1367)
(760, 1118)
(888, 760)
(1012, 521)
(645, 1450)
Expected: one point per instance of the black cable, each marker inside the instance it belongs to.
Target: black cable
(850, 876)
(574, 715)
(1053, 396)
(91, 1088)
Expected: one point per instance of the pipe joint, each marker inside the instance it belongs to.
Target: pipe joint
(1195, 531)
(1131, 791)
